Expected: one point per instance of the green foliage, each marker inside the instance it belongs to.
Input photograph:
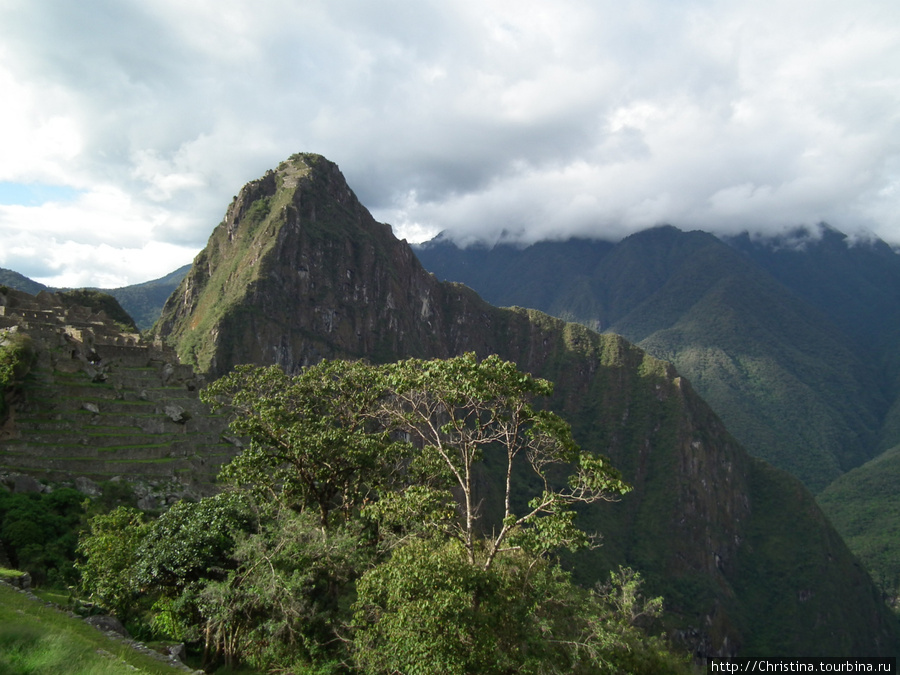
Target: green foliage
(617, 633)
(10, 574)
(109, 554)
(191, 542)
(459, 410)
(313, 442)
(17, 356)
(324, 439)
(864, 506)
(175, 618)
(130, 566)
(39, 533)
(285, 603)
(429, 610)
(352, 539)
(259, 210)
(418, 510)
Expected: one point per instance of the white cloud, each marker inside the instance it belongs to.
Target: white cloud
(533, 117)
(101, 238)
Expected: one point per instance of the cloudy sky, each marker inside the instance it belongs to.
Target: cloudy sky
(127, 126)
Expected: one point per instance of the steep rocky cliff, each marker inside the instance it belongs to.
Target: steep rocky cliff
(299, 271)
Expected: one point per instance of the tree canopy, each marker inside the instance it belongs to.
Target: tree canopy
(340, 435)
(383, 519)
(456, 411)
(313, 442)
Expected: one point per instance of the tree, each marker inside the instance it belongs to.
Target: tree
(335, 437)
(17, 355)
(109, 556)
(192, 541)
(280, 608)
(456, 410)
(613, 636)
(39, 532)
(376, 540)
(312, 443)
(427, 609)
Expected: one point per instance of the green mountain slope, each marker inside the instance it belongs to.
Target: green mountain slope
(856, 283)
(793, 342)
(298, 271)
(787, 382)
(571, 295)
(792, 339)
(864, 506)
(20, 282)
(784, 380)
(145, 301)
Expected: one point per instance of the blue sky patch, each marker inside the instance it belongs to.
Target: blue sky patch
(35, 194)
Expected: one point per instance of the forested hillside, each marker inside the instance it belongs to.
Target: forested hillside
(795, 385)
(791, 339)
(299, 271)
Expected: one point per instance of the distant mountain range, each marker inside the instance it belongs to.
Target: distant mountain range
(20, 282)
(792, 340)
(298, 271)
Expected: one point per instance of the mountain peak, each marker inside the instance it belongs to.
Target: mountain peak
(299, 271)
(273, 243)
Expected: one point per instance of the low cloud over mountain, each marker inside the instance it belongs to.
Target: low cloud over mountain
(541, 119)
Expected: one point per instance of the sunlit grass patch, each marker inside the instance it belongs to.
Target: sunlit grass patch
(35, 640)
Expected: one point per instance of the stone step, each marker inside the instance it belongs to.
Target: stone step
(63, 424)
(60, 470)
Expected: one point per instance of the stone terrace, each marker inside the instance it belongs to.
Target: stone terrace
(102, 403)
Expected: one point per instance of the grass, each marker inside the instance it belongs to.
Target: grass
(61, 598)
(166, 443)
(864, 506)
(35, 639)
